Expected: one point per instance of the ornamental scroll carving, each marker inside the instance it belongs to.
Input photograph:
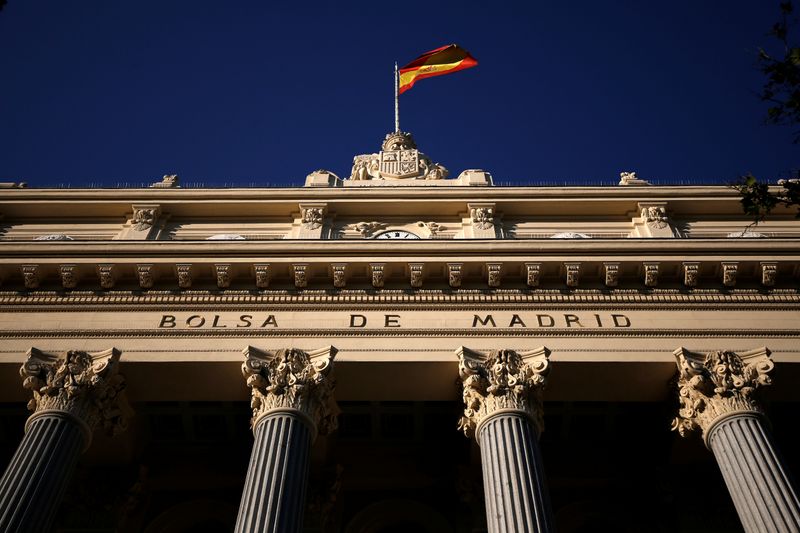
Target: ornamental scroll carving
(501, 379)
(717, 384)
(368, 229)
(292, 379)
(86, 385)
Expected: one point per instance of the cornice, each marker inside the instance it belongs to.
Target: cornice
(342, 250)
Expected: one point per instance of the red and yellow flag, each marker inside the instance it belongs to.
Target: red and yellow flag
(444, 60)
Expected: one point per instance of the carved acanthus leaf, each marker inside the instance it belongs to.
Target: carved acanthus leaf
(144, 217)
(292, 379)
(655, 216)
(86, 385)
(503, 379)
(716, 384)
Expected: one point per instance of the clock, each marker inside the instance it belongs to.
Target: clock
(396, 234)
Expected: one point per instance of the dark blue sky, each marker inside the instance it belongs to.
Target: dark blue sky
(256, 92)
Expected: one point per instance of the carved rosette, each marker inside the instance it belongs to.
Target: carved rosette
(454, 274)
(611, 274)
(145, 275)
(30, 276)
(573, 274)
(494, 274)
(312, 217)
(262, 273)
(416, 271)
(769, 274)
(223, 275)
(295, 380)
(532, 274)
(717, 384)
(482, 217)
(339, 275)
(377, 274)
(107, 276)
(87, 386)
(184, 273)
(729, 271)
(691, 271)
(501, 380)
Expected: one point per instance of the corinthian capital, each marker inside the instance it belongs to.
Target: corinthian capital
(502, 380)
(86, 386)
(718, 384)
(295, 380)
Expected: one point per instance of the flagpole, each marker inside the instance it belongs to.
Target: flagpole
(396, 99)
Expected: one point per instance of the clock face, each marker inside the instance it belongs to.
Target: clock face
(396, 235)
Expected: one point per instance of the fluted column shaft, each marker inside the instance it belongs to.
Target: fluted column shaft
(754, 474)
(275, 489)
(34, 483)
(513, 476)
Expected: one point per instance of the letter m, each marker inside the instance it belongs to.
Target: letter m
(483, 322)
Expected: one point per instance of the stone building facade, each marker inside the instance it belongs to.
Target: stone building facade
(399, 350)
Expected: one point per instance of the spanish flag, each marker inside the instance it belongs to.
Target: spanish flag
(444, 60)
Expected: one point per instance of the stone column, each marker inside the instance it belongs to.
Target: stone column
(502, 394)
(72, 394)
(717, 396)
(292, 401)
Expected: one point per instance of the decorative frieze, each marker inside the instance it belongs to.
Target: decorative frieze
(184, 273)
(222, 272)
(87, 386)
(769, 274)
(69, 276)
(377, 274)
(573, 271)
(30, 276)
(454, 274)
(144, 273)
(532, 274)
(107, 275)
(611, 271)
(300, 275)
(717, 384)
(650, 274)
(494, 274)
(691, 271)
(295, 380)
(729, 271)
(262, 273)
(501, 380)
(339, 273)
(416, 272)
